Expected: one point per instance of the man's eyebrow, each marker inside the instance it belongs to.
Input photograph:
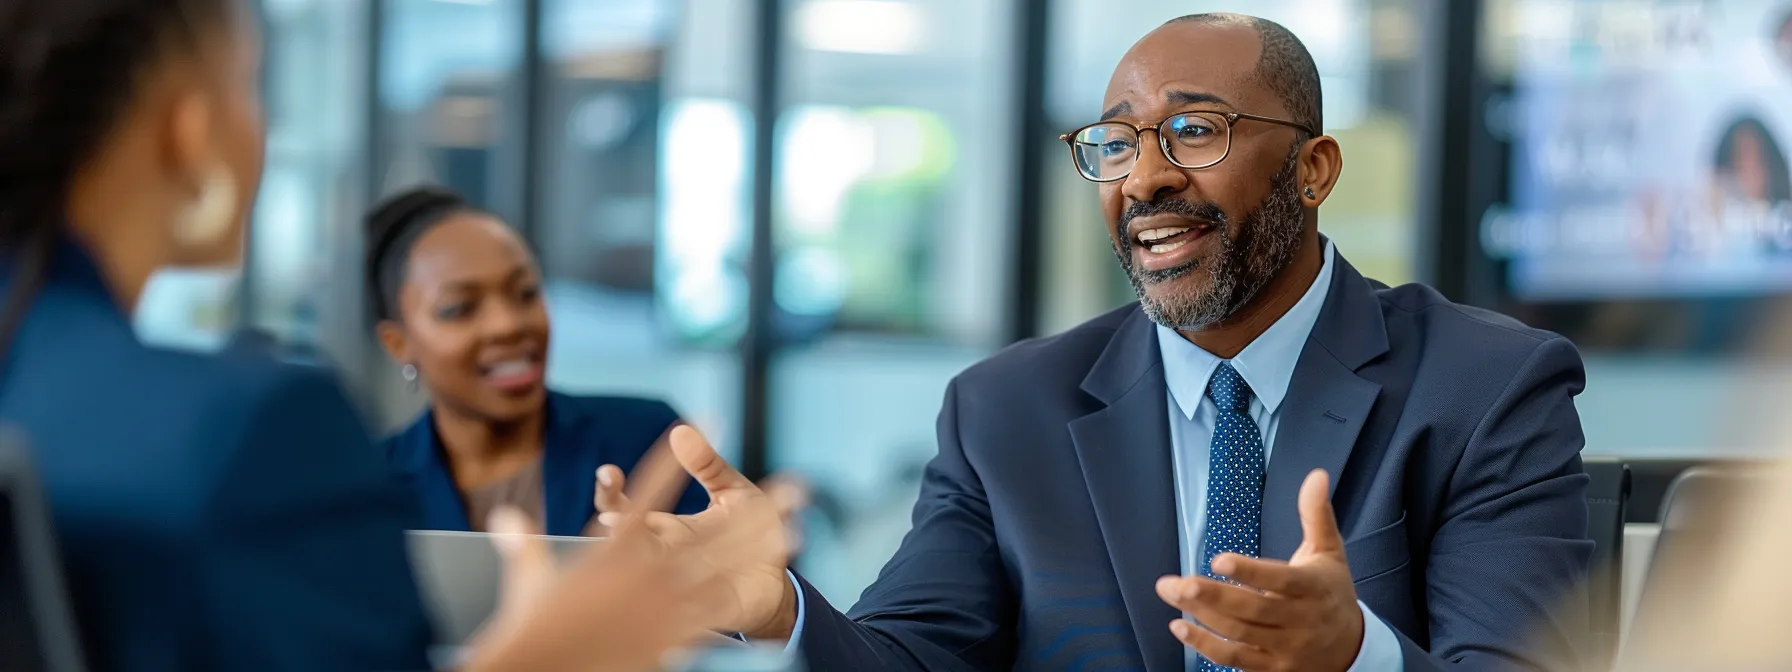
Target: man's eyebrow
(1179, 98)
(1116, 111)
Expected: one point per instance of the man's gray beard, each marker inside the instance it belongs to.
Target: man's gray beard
(1265, 244)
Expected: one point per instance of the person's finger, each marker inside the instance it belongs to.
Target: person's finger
(1318, 525)
(1199, 594)
(1271, 575)
(671, 528)
(702, 462)
(516, 536)
(789, 494)
(528, 567)
(658, 480)
(610, 484)
(1237, 655)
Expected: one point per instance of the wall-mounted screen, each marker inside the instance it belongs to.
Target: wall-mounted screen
(1646, 174)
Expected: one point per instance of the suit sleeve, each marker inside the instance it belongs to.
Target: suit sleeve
(1512, 548)
(303, 564)
(942, 603)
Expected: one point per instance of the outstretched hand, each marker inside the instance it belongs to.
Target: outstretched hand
(759, 599)
(1273, 615)
(622, 606)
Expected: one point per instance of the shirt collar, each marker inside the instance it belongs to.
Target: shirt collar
(1267, 364)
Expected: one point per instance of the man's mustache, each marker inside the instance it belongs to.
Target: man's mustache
(1170, 206)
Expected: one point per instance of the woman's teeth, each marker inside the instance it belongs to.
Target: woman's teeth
(511, 368)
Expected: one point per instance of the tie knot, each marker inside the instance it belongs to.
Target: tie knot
(1228, 389)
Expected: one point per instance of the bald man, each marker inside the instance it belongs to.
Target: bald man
(1269, 462)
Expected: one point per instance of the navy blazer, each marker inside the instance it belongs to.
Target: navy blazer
(582, 434)
(1048, 515)
(213, 513)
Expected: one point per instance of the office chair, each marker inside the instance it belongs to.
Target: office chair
(37, 626)
(1652, 477)
(1608, 495)
(1691, 514)
(1702, 492)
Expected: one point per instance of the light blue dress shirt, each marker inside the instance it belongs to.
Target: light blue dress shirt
(1267, 365)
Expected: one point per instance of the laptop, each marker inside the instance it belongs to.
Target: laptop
(37, 626)
(460, 575)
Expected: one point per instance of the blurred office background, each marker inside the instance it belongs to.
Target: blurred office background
(797, 219)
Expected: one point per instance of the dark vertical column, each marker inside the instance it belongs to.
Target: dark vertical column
(1031, 135)
(247, 288)
(1453, 187)
(532, 96)
(376, 157)
(761, 341)
(378, 139)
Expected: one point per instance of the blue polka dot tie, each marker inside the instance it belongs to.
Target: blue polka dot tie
(1235, 476)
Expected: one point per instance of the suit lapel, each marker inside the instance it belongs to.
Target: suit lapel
(443, 508)
(1323, 413)
(1124, 450)
(569, 477)
(1326, 406)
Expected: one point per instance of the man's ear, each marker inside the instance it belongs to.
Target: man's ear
(1321, 163)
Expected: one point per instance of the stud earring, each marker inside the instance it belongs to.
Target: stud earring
(410, 376)
(1310, 193)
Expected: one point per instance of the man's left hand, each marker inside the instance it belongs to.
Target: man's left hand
(1301, 614)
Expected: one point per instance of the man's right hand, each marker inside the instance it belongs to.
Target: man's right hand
(760, 601)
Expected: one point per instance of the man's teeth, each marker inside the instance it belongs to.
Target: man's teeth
(1149, 235)
(1166, 249)
(511, 368)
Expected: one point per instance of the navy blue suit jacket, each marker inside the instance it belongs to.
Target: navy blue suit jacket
(582, 434)
(213, 513)
(1047, 516)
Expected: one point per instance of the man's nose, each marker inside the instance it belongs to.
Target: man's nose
(1153, 176)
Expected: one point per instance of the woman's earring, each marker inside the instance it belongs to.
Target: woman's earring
(207, 219)
(1310, 193)
(410, 376)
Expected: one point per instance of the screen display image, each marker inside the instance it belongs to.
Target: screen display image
(1648, 149)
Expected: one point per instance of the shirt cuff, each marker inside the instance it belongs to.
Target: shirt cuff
(1381, 647)
(802, 609)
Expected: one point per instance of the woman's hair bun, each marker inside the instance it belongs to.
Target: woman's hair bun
(392, 227)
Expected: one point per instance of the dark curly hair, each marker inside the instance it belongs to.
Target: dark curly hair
(68, 71)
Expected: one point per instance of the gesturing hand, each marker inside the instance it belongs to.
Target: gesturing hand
(1301, 614)
(760, 602)
(620, 607)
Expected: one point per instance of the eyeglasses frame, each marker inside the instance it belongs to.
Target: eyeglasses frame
(1163, 144)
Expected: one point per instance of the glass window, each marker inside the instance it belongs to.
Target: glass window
(1365, 50)
(306, 218)
(643, 220)
(449, 93)
(892, 209)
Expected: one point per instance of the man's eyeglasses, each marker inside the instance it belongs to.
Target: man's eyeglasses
(1107, 151)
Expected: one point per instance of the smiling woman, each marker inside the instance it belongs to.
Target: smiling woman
(457, 301)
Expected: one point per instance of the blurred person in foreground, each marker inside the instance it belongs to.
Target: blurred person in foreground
(1718, 594)
(458, 303)
(229, 512)
(1153, 489)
